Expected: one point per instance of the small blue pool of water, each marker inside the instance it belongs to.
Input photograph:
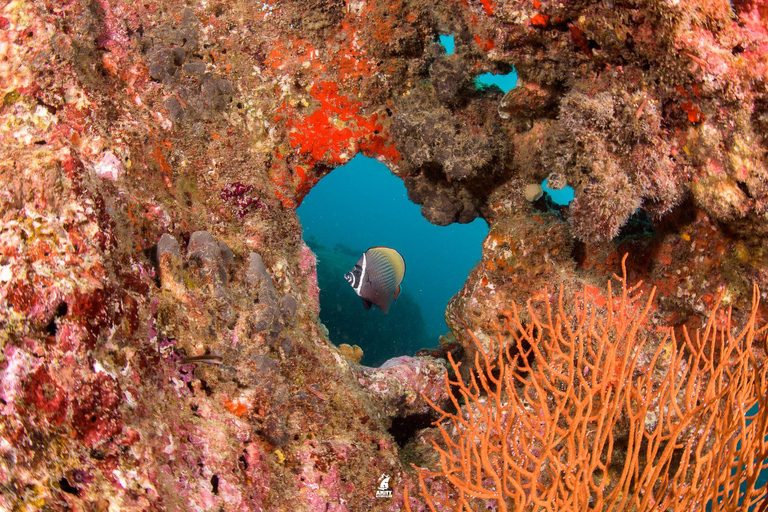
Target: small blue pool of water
(503, 82)
(562, 197)
(362, 205)
(449, 44)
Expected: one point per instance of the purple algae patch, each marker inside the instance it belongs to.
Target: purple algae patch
(240, 196)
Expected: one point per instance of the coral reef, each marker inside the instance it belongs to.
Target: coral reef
(351, 352)
(449, 159)
(599, 410)
(160, 346)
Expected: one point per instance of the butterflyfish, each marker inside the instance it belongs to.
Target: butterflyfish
(376, 277)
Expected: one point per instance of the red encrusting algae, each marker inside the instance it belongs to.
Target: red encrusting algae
(331, 135)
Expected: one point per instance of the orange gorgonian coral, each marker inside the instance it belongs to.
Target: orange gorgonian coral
(592, 410)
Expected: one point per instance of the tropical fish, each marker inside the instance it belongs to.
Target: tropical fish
(377, 276)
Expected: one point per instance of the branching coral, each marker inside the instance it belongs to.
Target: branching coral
(593, 410)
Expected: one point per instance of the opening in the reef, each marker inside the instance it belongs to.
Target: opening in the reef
(639, 224)
(503, 82)
(562, 196)
(405, 427)
(448, 43)
(362, 205)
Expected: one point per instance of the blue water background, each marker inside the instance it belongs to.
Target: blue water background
(448, 43)
(503, 82)
(562, 196)
(362, 204)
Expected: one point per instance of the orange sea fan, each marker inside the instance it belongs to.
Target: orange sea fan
(591, 410)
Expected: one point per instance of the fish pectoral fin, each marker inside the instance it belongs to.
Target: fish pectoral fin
(367, 304)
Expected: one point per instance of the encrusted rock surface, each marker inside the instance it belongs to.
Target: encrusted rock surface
(160, 347)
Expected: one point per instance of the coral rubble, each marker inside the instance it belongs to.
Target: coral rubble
(160, 346)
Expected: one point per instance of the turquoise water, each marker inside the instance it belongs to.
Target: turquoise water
(562, 197)
(361, 205)
(503, 82)
(448, 43)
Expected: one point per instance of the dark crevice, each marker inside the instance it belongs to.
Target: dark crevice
(682, 215)
(579, 253)
(51, 108)
(744, 188)
(53, 327)
(215, 484)
(98, 454)
(151, 254)
(61, 310)
(639, 225)
(404, 428)
(205, 387)
(67, 487)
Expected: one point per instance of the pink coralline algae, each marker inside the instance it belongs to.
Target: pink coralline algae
(48, 398)
(308, 265)
(402, 383)
(19, 363)
(94, 413)
(319, 482)
(109, 167)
